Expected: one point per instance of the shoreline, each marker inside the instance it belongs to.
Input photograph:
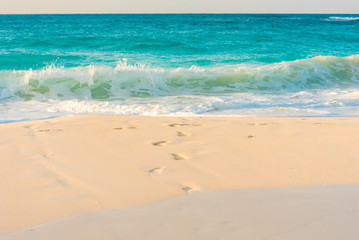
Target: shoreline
(60, 167)
(185, 116)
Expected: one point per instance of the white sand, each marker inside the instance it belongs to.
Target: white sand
(63, 167)
(309, 213)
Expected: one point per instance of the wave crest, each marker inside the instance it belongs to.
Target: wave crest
(343, 18)
(125, 80)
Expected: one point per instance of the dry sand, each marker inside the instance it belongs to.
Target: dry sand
(57, 168)
(310, 213)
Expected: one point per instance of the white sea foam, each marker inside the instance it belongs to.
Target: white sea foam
(343, 18)
(315, 87)
(128, 81)
(304, 103)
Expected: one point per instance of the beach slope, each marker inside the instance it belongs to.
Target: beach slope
(58, 168)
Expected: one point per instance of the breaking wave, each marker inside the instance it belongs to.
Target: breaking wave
(126, 81)
(343, 18)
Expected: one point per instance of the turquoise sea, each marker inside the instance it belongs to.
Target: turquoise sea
(178, 64)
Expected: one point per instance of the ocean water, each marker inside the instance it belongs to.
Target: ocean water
(178, 64)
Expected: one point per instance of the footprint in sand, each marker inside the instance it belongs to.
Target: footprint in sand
(184, 124)
(178, 124)
(182, 134)
(159, 143)
(177, 156)
(156, 170)
(50, 130)
(124, 128)
(187, 188)
(262, 124)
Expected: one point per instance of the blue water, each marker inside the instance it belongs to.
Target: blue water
(178, 64)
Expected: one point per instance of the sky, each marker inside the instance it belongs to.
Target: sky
(178, 6)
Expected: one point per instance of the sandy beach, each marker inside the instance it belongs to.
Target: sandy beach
(133, 177)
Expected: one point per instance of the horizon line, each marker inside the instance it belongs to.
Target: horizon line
(189, 13)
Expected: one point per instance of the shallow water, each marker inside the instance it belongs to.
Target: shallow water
(210, 64)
